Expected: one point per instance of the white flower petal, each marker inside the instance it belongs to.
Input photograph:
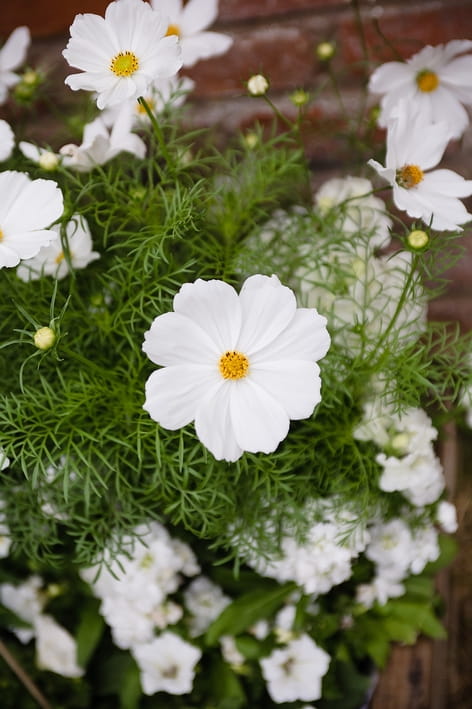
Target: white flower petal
(215, 307)
(259, 421)
(13, 52)
(305, 338)
(264, 299)
(174, 338)
(214, 425)
(197, 15)
(296, 385)
(39, 203)
(174, 394)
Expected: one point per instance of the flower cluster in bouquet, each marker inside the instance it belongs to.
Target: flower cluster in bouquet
(221, 393)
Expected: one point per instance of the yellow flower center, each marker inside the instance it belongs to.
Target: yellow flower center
(233, 365)
(1, 235)
(124, 64)
(409, 176)
(59, 257)
(140, 108)
(173, 29)
(427, 80)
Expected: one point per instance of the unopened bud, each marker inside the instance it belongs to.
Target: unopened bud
(48, 160)
(418, 239)
(325, 51)
(257, 85)
(44, 338)
(299, 97)
(250, 140)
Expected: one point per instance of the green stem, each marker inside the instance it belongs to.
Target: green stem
(158, 133)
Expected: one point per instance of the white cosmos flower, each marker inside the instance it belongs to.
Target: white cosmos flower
(7, 140)
(240, 366)
(51, 261)
(295, 671)
(12, 55)
(189, 23)
(100, 144)
(56, 649)
(122, 53)
(27, 208)
(413, 148)
(167, 664)
(436, 81)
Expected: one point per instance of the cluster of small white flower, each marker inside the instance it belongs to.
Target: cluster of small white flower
(408, 460)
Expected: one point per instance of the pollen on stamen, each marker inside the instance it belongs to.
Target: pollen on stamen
(409, 176)
(173, 29)
(233, 365)
(427, 80)
(59, 257)
(124, 64)
(1, 235)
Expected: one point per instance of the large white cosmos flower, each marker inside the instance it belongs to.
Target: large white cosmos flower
(27, 209)
(122, 53)
(12, 55)
(413, 148)
(188, 23)
(435, 81)
(240, 366)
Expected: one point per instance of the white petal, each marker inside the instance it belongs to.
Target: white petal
(390, 76)
(215, 307)
(446, 183)
(295, 384)
(13, 52)
(173, 394)
(305, 338)
(174, 338)
(39, 203)
(214, 425)
(204, 46)
(259, 421)
(268, 307)
(197, 15)
(28, 244)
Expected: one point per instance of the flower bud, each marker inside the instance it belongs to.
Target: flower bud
(44, 338)
(250, 140)
(48, 160)
(299, 97)
(257, 85)
(325, 51)
(417, 239)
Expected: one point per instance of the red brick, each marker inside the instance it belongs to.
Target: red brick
(45, 17)
(230, 10)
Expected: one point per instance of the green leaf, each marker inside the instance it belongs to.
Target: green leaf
(226, 687)
(89, 631)
(130, 690)
(447, 554)
(250, 647)
(246, 610)
(378, 647)
(400, 631)
(421, 587)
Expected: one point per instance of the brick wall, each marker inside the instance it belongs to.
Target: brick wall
(278, 38)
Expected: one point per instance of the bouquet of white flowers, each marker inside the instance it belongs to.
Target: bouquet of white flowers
(221, 393)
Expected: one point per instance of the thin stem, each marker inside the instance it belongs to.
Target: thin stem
(158, 132)
(24, 678)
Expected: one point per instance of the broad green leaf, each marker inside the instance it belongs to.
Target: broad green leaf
(89, 631)
(247, 610)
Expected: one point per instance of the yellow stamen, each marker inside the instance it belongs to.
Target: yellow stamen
(140, 108)
(427, 80)
(124, 64)
(233, 365)
(173, 29)
(1, 235)
(59, 257)
(409, 176)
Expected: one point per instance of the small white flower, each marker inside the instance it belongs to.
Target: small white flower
(379, 590)
(4, 461)
(188, 22)
(205, 600)
(51, 260)
(446, 516)
(239, 366)
(230, 652)
(413, 148)
(121, 54)
(7, 140)
(25, 600)
(418, 476)
(12, 55)
(27, 208)
(5, 538)
(56, 649)
(167, 664)
(295, 672)
(99, 144)
(435, 81)
(43, 157)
